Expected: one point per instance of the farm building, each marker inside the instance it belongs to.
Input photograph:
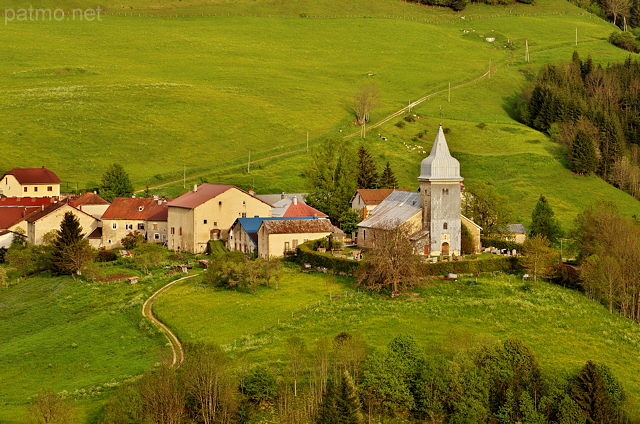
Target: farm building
(30, 182)
(243, 236)
(277, 238)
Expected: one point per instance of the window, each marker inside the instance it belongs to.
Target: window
(215, 223)
(180, 230)
(128, 226)
(286, 246)
(25, 189)
(295, 243)
(219, 203)
(444, 226)
(364, 234)
(173, 230)
(445, 191)
(141, 226)
(49, 188)
(244, 214)
(114, 226)
(244, 203)
(156, 236)
(205, 221)
(155, 225)
(109, 241)
(35, 189)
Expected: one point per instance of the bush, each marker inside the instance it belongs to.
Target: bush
(501, 264)
(499, 243)
(400, 124)
(307, 255)
(410, 118)
(106, 256)
(625, 40)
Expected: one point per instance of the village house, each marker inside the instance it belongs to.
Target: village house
(91, 203)
(30, 182)
(127, 215)
(157, 227)
(515, 232)
(13, 210)
(366, 199)
(6, 238)
(278, 238)
(243, 236)
(292, 206)
(475, 230)
(48, 219)
(432, 216)
(207, 213)
(272, 199)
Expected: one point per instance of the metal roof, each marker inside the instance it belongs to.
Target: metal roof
(396, 209)
(440, 165)
(516, 229)
(252, 225)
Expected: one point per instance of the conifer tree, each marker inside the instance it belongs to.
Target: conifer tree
(582, 156)
(115, 183)
(388, 178)
(367, 173)
(544, 222)
(340, 404)
(70, 249)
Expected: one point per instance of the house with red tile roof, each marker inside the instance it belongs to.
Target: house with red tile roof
(277, 238)
(127, 215)
(207, 213)
(30, 182)
(90, 203)
(48, 219)
(157, 227)
(292, 207)
(13, 210)
(366, 199)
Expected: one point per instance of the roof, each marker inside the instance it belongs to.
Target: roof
(516, 229)
(464, 218)
(134, 208)
(274, 198)
(440, 165)
(33, 217)
(373, 196)
(299, 226)
(34, 176)
(88, 199)
(96, 234)
(396, 209)
(161, 213)
(13, 209)
(21, 202)
(11, 216)
(5, 232)
(288, 207)
(252, 225)
(204, 193)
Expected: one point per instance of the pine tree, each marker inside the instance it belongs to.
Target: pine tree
(598, 394)
(367, 173)
(340, 404)
(70, 249)
(115, 183)
(388, 178)
(544, 222)
(582, 156)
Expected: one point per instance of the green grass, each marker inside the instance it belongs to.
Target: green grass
(563, 327)
(72, 337)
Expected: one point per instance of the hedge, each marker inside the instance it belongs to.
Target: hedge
(502, 264)
(306, 254)
(499, 243)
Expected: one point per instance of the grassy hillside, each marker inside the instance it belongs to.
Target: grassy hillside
(62, 334)
(564, 328)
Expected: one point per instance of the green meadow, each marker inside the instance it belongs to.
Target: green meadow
(74, 338)
(563, 327)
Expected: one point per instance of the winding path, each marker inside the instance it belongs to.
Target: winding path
(147, 312)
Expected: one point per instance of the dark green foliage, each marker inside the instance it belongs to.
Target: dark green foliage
(544, 222)
(115, 183)
(487, 208)
(597, 393)
(431, 388)
(384, 385)
(467, 241)
(625, 41)
(388, 178)
(582, 156)
(306, 254)
(106, 256)
(259, 385)
(132, 240)
(458, 5)
(124, 406)
(70, 236)
(340, 404)
(367, 173)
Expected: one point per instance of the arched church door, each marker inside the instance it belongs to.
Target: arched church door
(445, 249)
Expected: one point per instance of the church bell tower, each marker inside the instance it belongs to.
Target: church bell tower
(440, 194)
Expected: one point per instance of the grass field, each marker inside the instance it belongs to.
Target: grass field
(72, 337)
(563, 327)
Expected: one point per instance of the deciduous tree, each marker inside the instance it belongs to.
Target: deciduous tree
(538, 255)
(484, 206)
(364, 101)
(50, 408)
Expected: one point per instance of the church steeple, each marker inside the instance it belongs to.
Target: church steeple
(440, 165)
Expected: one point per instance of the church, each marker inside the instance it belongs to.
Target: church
(432, 215)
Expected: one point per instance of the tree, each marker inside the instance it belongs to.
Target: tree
(617, 8)
(331, 175)
(484, 206)
(260, 385)
(582, 156)
(544, 222)
(598, 394)
(148, 255)
(115, 183)
(71, 251)
(132, 240)
(538, 255)
(162, 396)
(367, 173)
(365, 100)
(296, 351)
(467, 241)
(388, 178)
(391, 262)
(50, 408)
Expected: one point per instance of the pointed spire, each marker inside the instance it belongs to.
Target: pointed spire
(440, 165)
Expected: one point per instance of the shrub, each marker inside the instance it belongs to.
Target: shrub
(106, 256)
(410, 118)
(307, 255)
(625, 40)
(446, 130)
(400, 124)
(482, 125)
(501, 264)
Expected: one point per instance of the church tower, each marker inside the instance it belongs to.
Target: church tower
(440, 186)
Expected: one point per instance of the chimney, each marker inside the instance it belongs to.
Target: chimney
(295, 200)
(283, 195)
(252, 192)
(41, 207)
(195, 188)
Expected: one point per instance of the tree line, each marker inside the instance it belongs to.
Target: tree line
(459, 5)
(594, 112)
(343, 380)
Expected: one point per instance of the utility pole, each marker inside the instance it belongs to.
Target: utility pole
(449, 97)
(576, 36)
(184, 177)
(249, 162)
(307, 141)
(526, 50)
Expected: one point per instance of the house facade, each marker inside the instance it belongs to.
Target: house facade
(91, 203)
(126, 215)
(49, 218)
(30, 182)
(207, 213)
(366, 200)
(277, 238)
(243, 236)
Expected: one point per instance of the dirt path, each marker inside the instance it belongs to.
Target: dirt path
(147, 312)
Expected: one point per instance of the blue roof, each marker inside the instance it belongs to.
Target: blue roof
(252, 225)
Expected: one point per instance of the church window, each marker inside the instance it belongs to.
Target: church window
(445, 226)
(445, 191)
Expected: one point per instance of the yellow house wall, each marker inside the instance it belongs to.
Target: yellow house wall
(94, 210)
(180, 218)
(156, 227)
(12, 188)
(111, 237)
(475, 231)
(366, 236)
(272, 245)
(52, 222)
